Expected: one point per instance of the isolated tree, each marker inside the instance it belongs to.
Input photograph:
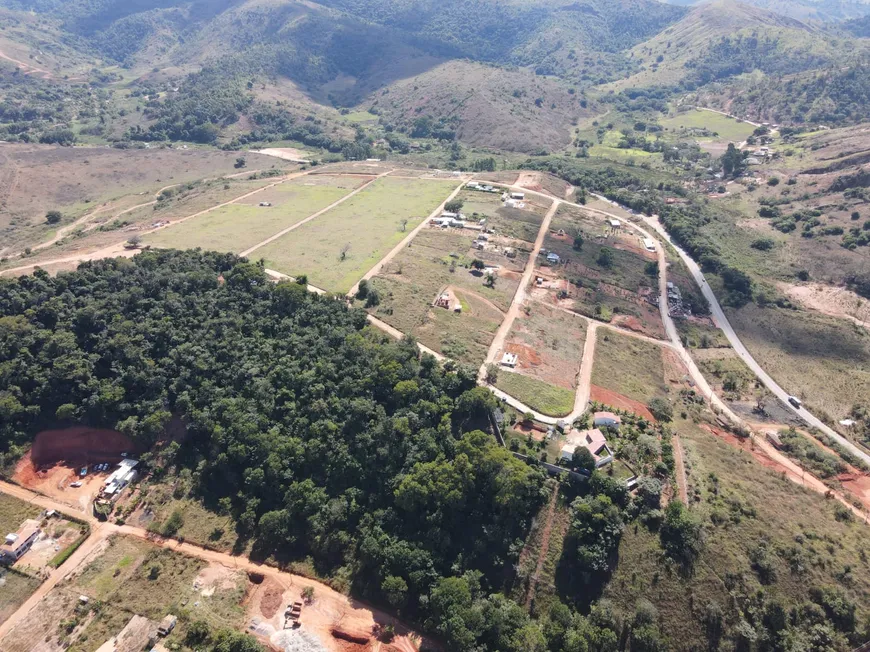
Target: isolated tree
(363, 289)
(605, 258)
(135, 240)
(578, 241)
(241, 162)
(491, 374)
(478, 264)
(53, 217)
(732, 161)
(308, 594)
(490, 281)
(454, 205)
(661, 409)
(344, 251)
(582, 460)
(404, 224)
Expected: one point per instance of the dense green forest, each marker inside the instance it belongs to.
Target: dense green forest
(319, 437)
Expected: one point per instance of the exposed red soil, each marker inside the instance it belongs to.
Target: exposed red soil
(858, 485)
(270, 602)
(608, 397)
(528, 357)
(79, 445)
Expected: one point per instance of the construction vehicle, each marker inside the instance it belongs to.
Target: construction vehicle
(291, 616)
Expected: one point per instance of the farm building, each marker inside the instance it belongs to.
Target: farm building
(774, 439)
(553, 259)
(518, 195)
(120, 477)
(510, 252)
(167, 625)
(649, 244)
(606, 419)
(592, 440)
(614, 224)
(510, 360)
(17, 543)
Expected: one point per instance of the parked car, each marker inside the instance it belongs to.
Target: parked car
(795, 401)
(75, 485)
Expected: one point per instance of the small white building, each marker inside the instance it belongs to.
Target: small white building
(606, 419)
(553, 259)
(510, 360)
(614, 224)
(649, 244)
(265, 204)
(518, 195)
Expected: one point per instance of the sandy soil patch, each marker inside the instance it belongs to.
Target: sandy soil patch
(608, 397)
(216, 578)
(829, 300)
(285, 153)
(54, 481)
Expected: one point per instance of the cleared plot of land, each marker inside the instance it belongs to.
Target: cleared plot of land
(823, 360)
(751, 514)
(13, 512)
(339, 247)
(74, 179)
(508, 222)
(709, 125)
(629, 366)
(15, 588)
(437, 262)
(540, 396)
(549, 344)
(239, 226)
(200, 525)
(609, 276)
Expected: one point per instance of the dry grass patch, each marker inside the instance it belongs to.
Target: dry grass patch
(629, 366)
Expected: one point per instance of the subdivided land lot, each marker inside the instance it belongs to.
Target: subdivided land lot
(609, 277)
(548, 343)
(628, 372)
(339, 247)
(242, 225)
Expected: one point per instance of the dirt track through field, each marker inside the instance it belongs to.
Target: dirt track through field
(682, 480)
(27, 68)
(354, 614)
(545, 546)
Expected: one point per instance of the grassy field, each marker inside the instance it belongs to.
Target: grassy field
(15, 588)
(695, 119)
(538, 395)
(369, 223)
(239, 226)
(824, 361)
(134, 576)
(409, 285)
(13, 512)
(629, 366)
(743, 505)
(200, 525)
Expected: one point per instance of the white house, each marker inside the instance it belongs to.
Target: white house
(606, 419)
(649, 244)
(17, 543)
(510, 360)
(595, 442)
(614, 224)
(518, 195)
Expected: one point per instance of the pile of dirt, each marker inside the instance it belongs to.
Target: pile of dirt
(80, 445)
(270, 601)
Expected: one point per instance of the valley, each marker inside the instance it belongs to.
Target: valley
(495, 327)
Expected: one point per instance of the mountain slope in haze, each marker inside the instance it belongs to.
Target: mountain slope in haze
(823, 10)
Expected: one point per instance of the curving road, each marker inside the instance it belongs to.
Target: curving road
(743, 352)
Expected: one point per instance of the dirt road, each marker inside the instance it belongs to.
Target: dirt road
(27, 68)
(682, 480)
(272, 238)
(584, 378)
(405, 241)
(520, 295)
(101, 531)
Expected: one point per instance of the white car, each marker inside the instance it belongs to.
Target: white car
(75, 485)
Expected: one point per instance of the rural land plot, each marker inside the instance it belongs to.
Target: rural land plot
(507, 222)
(123, 578)
(245, 223)
(823, 360)
(438, 263)
(339, 247)
(708, 126)
(627, 372)
(548, 344)
(609, 278)
(15, 586)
